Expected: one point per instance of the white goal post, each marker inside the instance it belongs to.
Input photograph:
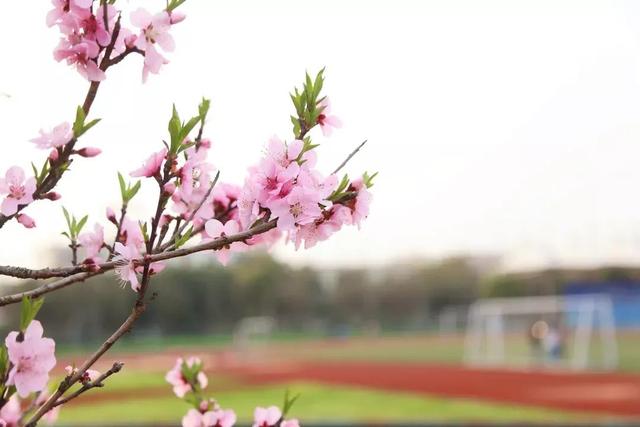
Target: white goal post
(494, 323)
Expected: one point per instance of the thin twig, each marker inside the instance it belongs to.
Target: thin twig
(353, 153)
(194, 211)
(98, 382)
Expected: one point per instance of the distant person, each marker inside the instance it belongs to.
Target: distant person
(553, 344)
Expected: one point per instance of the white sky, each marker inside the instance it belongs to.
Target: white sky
(497, 127)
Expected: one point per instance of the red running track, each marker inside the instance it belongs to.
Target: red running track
(606, 393)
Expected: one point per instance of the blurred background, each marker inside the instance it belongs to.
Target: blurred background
(497, 279)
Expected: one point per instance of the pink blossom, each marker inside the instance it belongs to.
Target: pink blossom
(11, 412)
(274, 180)
(312, 180)
(217, 418)
(151, 166)
(92, 242)
(195, 174)
(61, 8)
(83, 55)
(32, 359)
(360, 205)
(214, 229)
(26, 220)
(180, 384)
(248, 205)
(326, 121)
(126, 269)
(300, 207)
(266, 417)
(19, 190)
(154, 31)
(282, 153)
(132, 234)
(57, 137)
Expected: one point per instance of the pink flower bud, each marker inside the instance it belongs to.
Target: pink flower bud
(26, 220)
(176, 17)
(53, 155)
(130, 41)
(111, 216)
(205, 143)
(169, 188)
(89, 152)
(52, 195)
(164, 220)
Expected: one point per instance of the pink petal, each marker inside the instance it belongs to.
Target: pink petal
(140, 18)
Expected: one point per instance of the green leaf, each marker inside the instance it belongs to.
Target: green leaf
(188, 127)
(203, 109)
(288, 402)
(184, 238)
(78, 124)
(173, 4)
(29, 310)
(68, 218)
(133, 190)
(123, 187)
(4, 361)
(88, 126)
(81, 224)
(368, 179)
(174, 129)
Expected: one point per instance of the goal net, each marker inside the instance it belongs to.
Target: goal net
(576, 332)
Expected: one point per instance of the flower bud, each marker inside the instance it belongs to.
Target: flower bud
(53, 155)
(111, 216)
(176, 17)
(130, 41)
(89, 152)
(26, 220)
(165, 220)
(169, 188)
(52, 195)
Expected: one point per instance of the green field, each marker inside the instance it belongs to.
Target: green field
(142, 396)
(317, 403)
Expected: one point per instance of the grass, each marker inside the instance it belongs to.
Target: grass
(317, 403)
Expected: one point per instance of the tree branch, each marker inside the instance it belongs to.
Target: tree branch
(349, 157)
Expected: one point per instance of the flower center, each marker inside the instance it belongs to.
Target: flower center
(296, 210)
(25, 364)
(151, 34)
(17, 191)
(321, 119)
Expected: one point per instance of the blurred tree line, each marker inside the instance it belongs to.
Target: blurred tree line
(201, 297)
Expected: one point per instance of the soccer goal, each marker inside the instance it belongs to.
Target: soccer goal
(576, 332)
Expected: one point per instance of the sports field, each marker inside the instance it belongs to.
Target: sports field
(408, 378)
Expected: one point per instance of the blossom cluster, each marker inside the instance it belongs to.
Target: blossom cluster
(91, 38)
(284, 194)
(189, 381)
